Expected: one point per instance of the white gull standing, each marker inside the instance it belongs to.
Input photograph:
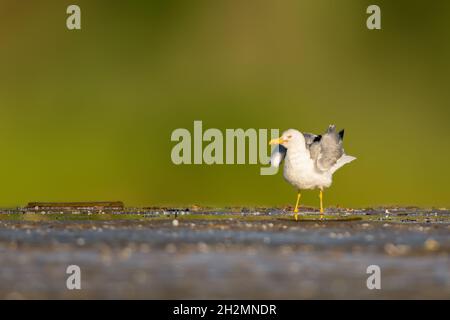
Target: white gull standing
(310, 160)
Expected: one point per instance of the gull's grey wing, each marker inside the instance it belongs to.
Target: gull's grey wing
(312, 142)
(278, 155)
(310, 138)
(329, 149)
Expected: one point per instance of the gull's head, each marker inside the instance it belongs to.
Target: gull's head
(290, 138)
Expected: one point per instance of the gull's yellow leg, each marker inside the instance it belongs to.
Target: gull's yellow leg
(321, 204)
(296, 205)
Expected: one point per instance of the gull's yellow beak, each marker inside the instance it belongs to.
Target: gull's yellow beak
(276, 141)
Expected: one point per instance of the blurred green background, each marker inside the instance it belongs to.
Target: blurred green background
(87, 115)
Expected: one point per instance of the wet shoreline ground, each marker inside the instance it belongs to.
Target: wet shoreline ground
(251, 254)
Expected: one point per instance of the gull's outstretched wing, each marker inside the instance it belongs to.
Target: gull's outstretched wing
(341, 161)
(278, 155)
(328, 150)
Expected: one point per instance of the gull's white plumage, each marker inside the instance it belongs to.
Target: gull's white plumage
(304, 170)
(299, 170)
(310, 160)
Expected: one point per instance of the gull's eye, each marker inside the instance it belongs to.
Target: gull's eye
(289, 136)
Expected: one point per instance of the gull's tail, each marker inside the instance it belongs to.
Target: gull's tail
(341, 162)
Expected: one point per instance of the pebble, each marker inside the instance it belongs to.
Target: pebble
(175, 223)
(125, 254)
(202, 247)
(431, 244)
(396, 250)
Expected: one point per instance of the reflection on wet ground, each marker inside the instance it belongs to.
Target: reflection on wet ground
(224, 258)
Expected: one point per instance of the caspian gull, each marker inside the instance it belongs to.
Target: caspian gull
(310, 160)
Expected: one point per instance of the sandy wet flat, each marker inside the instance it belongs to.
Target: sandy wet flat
(225, 258)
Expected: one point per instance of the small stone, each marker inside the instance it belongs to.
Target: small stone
(396, 250)
(175, 223)
(431, 244)
(202, 247)
(125, 254)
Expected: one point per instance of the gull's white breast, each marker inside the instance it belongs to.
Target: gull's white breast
(300, 171)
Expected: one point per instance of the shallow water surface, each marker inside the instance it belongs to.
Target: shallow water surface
(224, 258)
